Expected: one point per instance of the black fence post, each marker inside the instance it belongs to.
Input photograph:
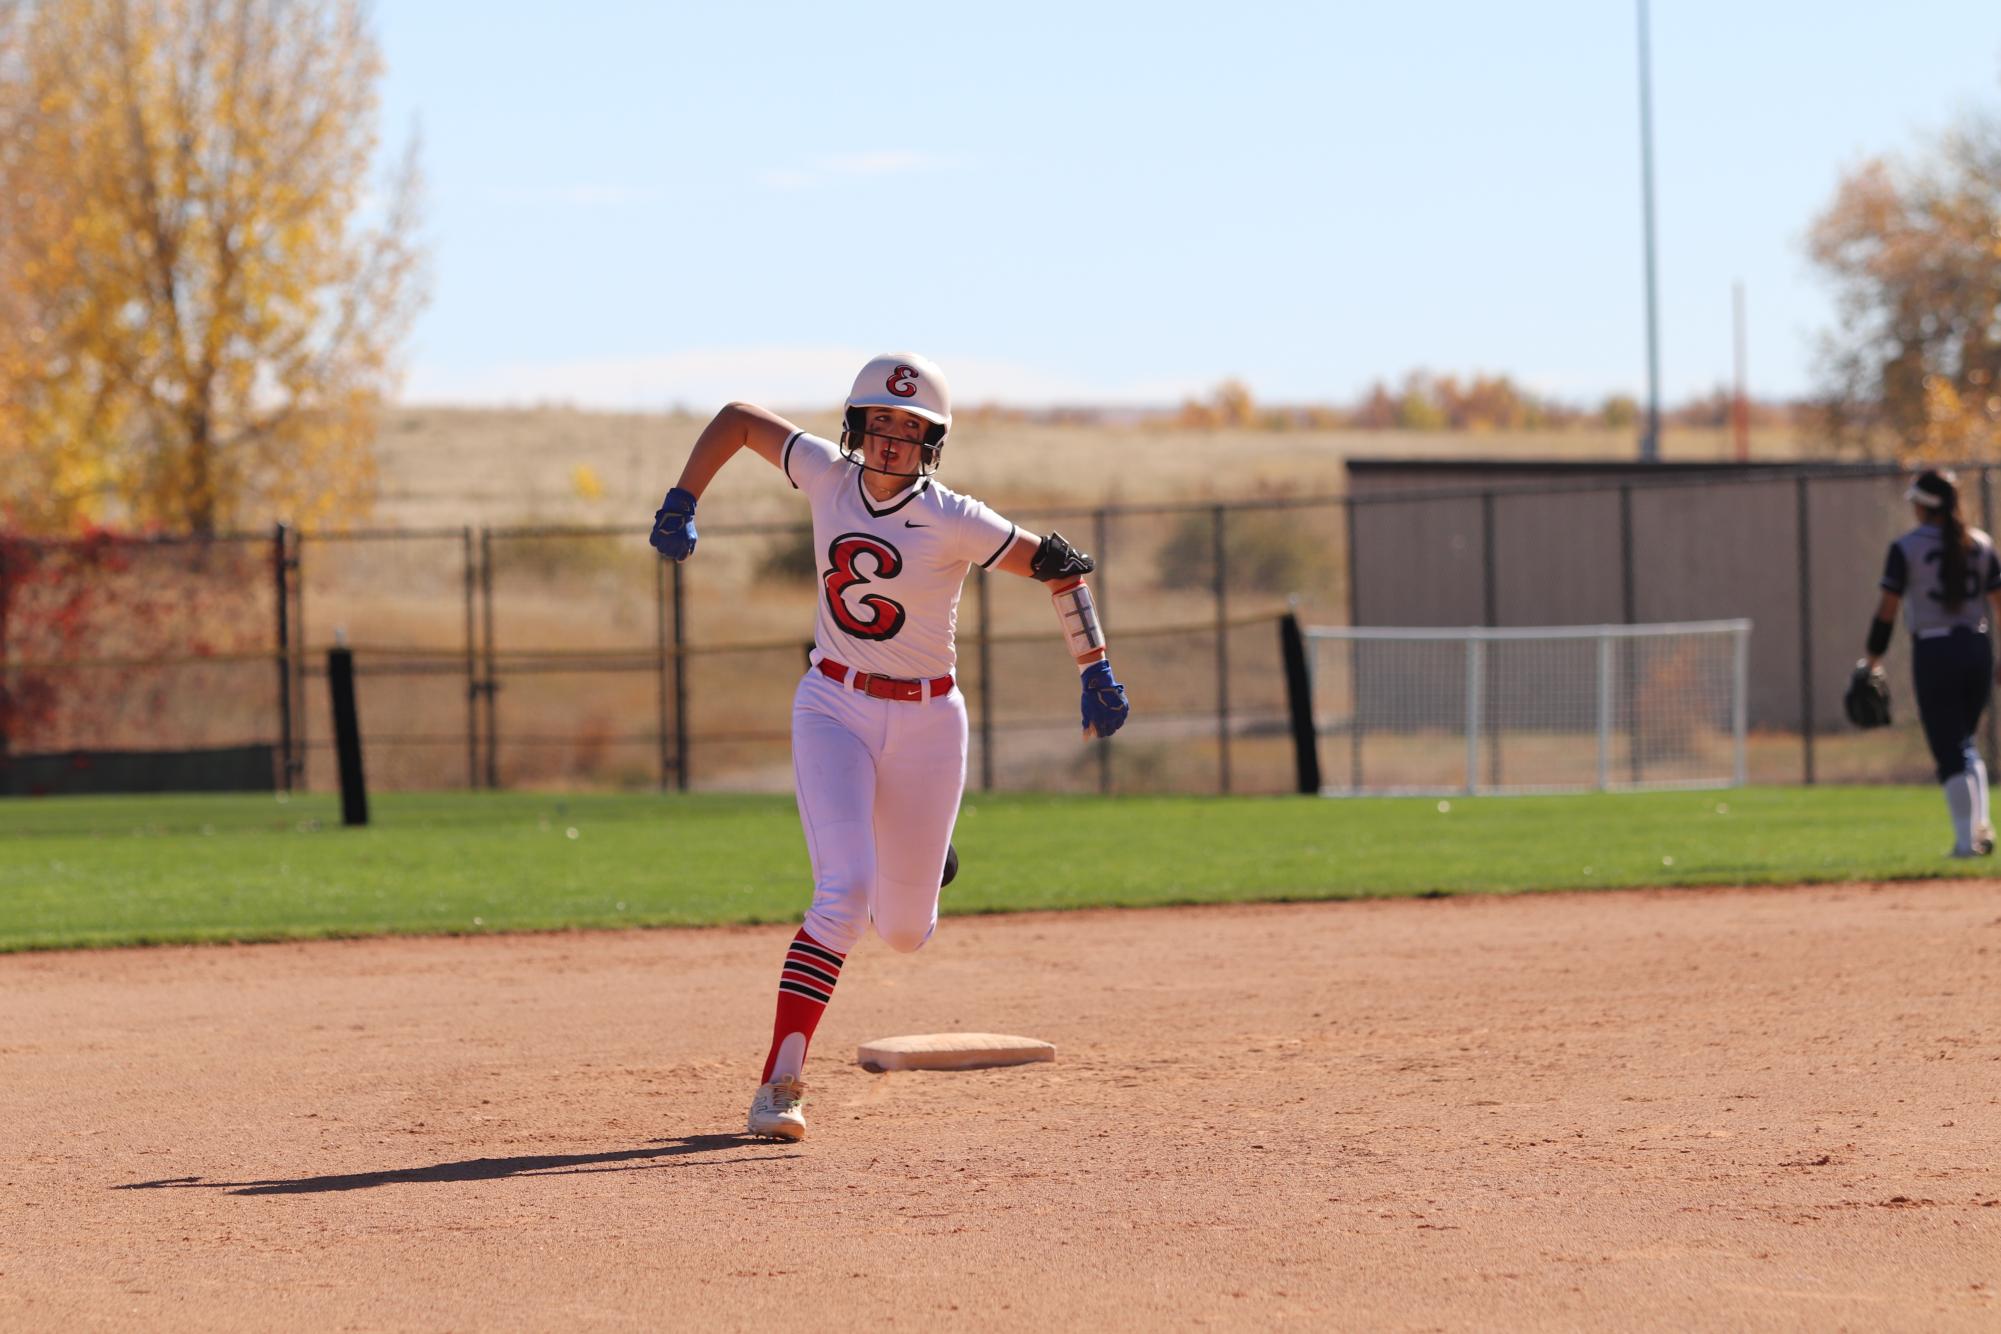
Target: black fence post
(347, 736)
(1806, 628)
(491, 686)
(1299, 698)
(660, 654)
(1629, 610)
(302, 753)
(1354, 657)
(986, 687)
(1103, 537)
(295, 587)
(1490, 611)
(472, 661)
(1219, 516)
(680, 679)
(283, 602)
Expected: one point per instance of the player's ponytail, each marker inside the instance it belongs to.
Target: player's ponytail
(1952, 556)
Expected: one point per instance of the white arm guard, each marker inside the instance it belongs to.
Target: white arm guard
(1079, 616)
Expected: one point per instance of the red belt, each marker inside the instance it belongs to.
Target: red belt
(885, 687)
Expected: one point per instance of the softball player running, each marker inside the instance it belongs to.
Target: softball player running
(1945, 575)
(878, 725)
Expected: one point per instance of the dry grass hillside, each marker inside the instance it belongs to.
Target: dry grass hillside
(454, 466)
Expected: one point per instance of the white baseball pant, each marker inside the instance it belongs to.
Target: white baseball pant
(878, 783)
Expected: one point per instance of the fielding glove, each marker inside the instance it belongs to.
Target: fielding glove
(1868, 699)
(673, 533)
(1105, 707)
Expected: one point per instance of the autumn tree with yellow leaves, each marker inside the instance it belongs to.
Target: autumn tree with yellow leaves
(200, 301)
(1914, 365)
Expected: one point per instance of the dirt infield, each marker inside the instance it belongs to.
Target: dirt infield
(1692, 1109)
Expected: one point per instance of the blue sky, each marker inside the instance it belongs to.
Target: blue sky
(636, 205)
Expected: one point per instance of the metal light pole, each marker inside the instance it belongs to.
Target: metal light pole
(1650, 439)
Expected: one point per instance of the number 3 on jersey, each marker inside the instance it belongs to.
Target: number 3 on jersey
(1970, 593)
(872, 616)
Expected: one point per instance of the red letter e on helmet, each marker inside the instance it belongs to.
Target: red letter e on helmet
(902, 382)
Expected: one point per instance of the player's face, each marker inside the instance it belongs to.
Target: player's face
(893, 441)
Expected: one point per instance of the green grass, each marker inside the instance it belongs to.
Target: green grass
(136, 870)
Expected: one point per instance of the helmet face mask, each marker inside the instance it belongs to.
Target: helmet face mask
(854, 444)
(908, 383)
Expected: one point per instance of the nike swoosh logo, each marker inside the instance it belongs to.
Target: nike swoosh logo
(908, 524)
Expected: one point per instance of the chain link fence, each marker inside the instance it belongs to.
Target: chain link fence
(572, 657)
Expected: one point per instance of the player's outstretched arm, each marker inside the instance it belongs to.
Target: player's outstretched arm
(737, 426)
(1056, 563)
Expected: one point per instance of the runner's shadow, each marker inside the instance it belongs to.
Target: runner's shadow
(481, 1169)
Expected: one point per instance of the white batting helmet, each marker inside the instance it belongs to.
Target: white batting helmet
(901, 380)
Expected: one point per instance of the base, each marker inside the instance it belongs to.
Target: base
(952, 1051)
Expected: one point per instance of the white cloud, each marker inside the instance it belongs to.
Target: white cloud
(577, 196)
(779, 377)
(847, 166)
(887, 163)
(786, 179)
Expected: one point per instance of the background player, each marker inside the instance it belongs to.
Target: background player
(1946, 575)
(878, 723)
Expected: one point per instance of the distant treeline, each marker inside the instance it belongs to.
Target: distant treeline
(1421, 402)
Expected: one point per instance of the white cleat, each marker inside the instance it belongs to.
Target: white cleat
(774, 1112)
(1982, 846)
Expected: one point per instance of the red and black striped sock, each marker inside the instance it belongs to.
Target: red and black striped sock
(805, 986)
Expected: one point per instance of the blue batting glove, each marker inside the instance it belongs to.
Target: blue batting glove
(673, 533)
(1105, 707)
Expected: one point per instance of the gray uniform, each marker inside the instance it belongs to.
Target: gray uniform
(1912, 572)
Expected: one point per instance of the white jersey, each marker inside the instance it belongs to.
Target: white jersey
(890, 571)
